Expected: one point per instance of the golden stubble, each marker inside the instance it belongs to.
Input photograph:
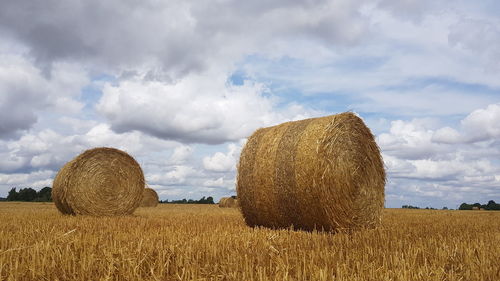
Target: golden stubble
(204, 242)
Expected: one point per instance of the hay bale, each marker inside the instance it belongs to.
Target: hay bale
(228, 202)
(101, 182)
(222, 202)
(475, 208)
(149, 198)
(320, 173)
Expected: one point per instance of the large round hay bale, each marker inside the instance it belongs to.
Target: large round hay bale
(320, 173)
(101, 182)
(228, 202)
(149, 198)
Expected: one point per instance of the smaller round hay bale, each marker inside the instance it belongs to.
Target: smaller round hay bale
(228, 202)
(149, 198)
(100, 182)
(222, 202)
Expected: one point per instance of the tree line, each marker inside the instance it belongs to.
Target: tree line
(491, 206)
(203, 200)
(45, 195)
(415, 207)
(30, 195)
(477, 206)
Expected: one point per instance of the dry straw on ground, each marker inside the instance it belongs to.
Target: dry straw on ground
(149, 198)
(228, 202)
(320, 173)
(101, 182)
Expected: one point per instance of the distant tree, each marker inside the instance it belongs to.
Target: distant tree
(45, 194)
(492, 205)
(203, 200)
(409, 207)
(208, 200)
(477, 206)
(27, 194)
(465, 206)
(13, 195)
(445, 208)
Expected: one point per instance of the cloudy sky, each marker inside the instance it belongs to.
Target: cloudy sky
(180, 85)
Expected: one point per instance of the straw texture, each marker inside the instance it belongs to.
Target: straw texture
(228, 202)
(320, 173)
(101, 182)
(149, 198)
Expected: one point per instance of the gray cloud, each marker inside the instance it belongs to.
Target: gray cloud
(177, 37)
(479, 36)
(24, 92)
(409, 9)
(14, 119)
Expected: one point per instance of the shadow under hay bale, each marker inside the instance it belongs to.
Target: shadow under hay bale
(320, 173)
(149, 198)
(101, 182)
(228, 202)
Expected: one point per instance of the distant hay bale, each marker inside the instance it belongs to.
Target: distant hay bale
(149, 198)
(228, 202)
(475, 208)
(222, 202)
(320, 173)
(101, 182)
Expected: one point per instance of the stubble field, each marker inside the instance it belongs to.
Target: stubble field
(204, 242)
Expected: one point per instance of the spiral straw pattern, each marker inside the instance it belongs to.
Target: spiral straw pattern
(322, 173)
(100, 182)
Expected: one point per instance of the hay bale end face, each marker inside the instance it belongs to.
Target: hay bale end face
(228, 202)
(101, 182)
(322, 173)
(149, 198)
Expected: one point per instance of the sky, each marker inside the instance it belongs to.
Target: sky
(180, 85)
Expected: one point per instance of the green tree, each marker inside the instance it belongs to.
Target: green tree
(492, 205)
(13, 195)
(27, 194)
(465, 206)
(45, 194)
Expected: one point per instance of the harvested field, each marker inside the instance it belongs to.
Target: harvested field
(204, 242)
